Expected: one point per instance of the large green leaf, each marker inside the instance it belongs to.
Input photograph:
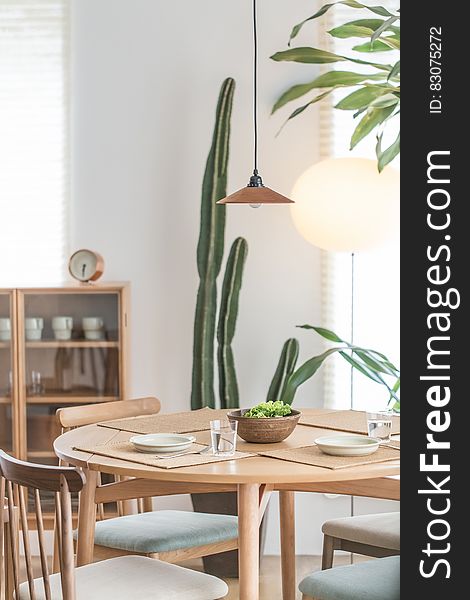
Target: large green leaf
(325, 333)
(301, 109)
(370, 47)
(395, 71)
(348, 31)
(306, 54)
(388, 99)
(330, 79)
(386, 156)
(303, 373)
(360, 98)
(372, 118)
(361, 367)
(373, 24)
(373, 364)
(391, 41)
(378, 10)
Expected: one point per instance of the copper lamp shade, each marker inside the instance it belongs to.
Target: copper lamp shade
(255, 194)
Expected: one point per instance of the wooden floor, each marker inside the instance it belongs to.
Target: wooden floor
(270, 574)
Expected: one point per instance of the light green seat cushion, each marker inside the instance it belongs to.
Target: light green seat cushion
(377, 579)
(165, 530)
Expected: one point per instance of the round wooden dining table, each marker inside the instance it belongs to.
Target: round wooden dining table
(254, 479)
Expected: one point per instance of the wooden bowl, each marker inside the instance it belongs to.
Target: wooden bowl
(266, 430)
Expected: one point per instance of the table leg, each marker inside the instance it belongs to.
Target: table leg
(248, 540)
(287, 524)
(87, 519)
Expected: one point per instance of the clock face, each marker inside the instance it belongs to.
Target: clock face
(85, 265)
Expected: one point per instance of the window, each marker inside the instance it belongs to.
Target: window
(33, 140)
(376, 273)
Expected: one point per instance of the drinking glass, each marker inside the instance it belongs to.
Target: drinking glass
(36, 387)
(379, 425)
(224, 437)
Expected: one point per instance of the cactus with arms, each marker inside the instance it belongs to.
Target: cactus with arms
(285, 368)
(228, 387)
(210, 251)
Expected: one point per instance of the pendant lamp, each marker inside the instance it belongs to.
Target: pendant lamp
(255, 193)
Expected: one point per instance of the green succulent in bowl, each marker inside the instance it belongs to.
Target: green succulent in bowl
(268, 409)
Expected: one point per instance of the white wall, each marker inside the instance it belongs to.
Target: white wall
(145, 80)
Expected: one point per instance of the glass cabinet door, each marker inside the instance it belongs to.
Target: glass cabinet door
(7, 375)
(71, 343)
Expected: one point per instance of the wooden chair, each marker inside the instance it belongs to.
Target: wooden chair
(375, 580)
(89, 414)
(172, 536)
(375, 535)
(6, 567)
(119, 578)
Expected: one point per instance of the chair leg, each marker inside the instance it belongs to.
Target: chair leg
(9, 547)
(328, 552)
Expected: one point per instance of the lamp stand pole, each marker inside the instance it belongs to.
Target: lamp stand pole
(351, 398)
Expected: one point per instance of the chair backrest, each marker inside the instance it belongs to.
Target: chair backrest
(89, 414)
(18, 480)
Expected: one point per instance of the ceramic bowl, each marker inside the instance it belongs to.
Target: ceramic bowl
(347, 445)
(161, 443)
(265, 430)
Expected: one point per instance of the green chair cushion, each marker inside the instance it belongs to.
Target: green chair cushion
(377, 579)
(165, 530)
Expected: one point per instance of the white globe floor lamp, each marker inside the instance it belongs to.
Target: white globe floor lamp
(346, 205)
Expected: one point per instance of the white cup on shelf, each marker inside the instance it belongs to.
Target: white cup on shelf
(33, 328)
(5, 329)
(62, 327)
(93, 328)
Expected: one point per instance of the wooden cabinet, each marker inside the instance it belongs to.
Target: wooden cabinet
(59, 346)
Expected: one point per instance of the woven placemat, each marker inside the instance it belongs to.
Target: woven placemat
(312, 455)
(352, 421)
(125, 451)
(183, 422)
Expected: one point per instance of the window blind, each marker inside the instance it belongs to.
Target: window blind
(376, 273)
(34, 161)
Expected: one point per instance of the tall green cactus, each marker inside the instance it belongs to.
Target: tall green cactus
(285, 368)
(228, 312)
(210, 251)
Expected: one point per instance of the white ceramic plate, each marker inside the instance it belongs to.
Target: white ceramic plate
(161, 443)
(347, 445)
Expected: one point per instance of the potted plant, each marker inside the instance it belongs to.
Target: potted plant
(210, 326)
(371, 363)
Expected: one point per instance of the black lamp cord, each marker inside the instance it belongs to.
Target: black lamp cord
(255, 88)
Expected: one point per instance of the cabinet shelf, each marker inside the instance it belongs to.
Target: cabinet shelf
(64, 399)
(71, 372)
(72, 344)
